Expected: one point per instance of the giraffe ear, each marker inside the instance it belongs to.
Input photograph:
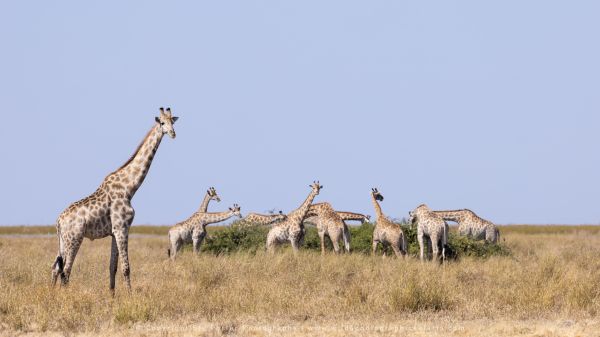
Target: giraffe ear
(157, 120)
(175, 119)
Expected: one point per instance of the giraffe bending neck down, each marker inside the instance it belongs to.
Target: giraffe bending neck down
(108, 211)
(471, 225)
(386, 231)
(211, 194)
(193, 230)
(292, 228)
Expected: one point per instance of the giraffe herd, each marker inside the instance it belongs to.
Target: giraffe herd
(108, 212)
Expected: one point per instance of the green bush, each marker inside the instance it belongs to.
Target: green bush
(252, 238)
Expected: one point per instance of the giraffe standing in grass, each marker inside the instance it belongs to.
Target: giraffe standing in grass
(211, 194)
(430, 227)
(385, 231)
(108, 211)
(261, 219)
(193, 230)
(292, 228)
(471, 225)
(329, 223)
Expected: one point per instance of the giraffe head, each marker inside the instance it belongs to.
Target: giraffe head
(236, 210)
(316, 187)
(212, 193)
(375, 193)
(166, 121)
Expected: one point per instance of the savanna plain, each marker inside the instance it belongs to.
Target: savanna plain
(548, 285)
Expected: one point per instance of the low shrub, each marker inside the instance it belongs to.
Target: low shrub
(252, 238)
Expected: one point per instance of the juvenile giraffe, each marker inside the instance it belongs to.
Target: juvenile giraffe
(193, 230)
(385, 231)
(292, 228)
(211, 194)
(330, 223)
(430, 227)
(108, 211)
(471, 225)
(262, 219)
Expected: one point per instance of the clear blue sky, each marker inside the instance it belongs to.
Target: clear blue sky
(492, 106)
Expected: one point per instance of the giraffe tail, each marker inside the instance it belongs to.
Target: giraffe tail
(346, 237)
(59, 262)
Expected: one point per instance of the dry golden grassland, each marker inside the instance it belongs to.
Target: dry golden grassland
(549, 286)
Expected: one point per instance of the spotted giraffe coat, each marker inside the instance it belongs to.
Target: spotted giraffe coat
(330, 223)
(471, 225)
(292, 228)
(108, 211)
(193, 230)
(430, 227)
(386, 231)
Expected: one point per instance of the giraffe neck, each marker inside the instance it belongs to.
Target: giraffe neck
(300, 213)
(352, 216)
(260, 219)
(456, 216)
(378, 211)
(204, 205)
(134, 171)
(209, 218)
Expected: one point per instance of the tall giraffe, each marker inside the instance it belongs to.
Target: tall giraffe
(292, 228)
(193, 230)
(385, 231)
(211, 194)
(261, 219)
(471, 225)
(430, 227)
(108, 211)
(330, 223)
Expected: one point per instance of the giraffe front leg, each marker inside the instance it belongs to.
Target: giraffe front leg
(122, 245)
(335, 238)
(295, 245)
(396, 249)
(322, 238)
(421, 243)
(114, 259)
(435, 240)
(375, 242)
(121, 218)
(196, 244)
(173, 243)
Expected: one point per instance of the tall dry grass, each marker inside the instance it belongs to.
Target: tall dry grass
(548, 276)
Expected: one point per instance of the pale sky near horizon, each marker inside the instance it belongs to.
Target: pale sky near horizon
(487, 105)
